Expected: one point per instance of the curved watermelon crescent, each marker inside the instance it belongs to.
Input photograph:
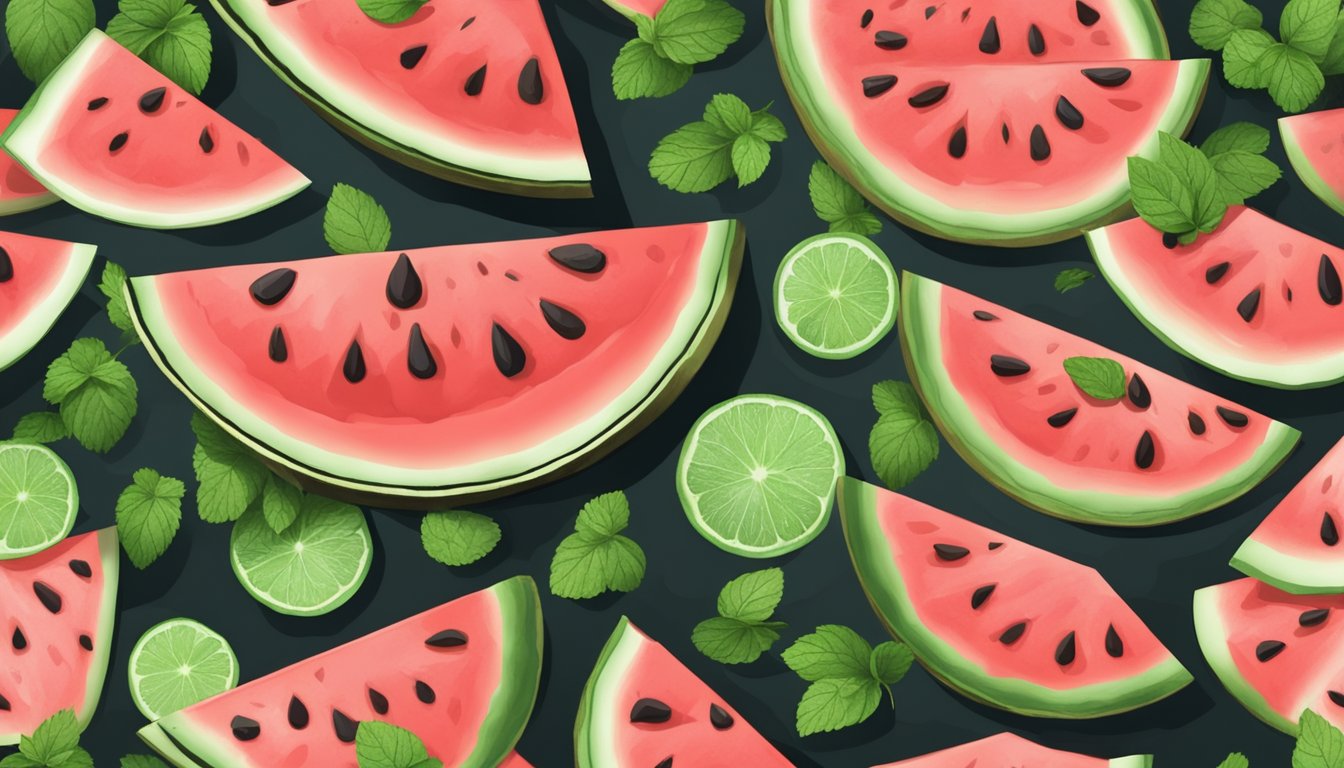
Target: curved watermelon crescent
(21, 340)
(881, 579)
(349, 477)
(1212, 636)
(1305, 169)
(1295, 574)
(920, 324)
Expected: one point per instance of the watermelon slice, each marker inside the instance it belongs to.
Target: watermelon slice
(38, 280)
(631, 8)
(462, 676)
(1297, 546)
(993, 121)
(57, 609)
(995, 384)
(999, 620)
(471, 92)
(1279, 654)
(643, 707)
(1315, 146)
(1255, 299)
(19, 191)
(111, 135)
(510, 363)
(1007, 750)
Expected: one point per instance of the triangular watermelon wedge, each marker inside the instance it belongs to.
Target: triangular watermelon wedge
(38, 280)
(643, 707)
(113, 136)
(462, 676)
(1008, 750)
(1003, 622)
(57, 610)
(19, 191)
(1314, 143)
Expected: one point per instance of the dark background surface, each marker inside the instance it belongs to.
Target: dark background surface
(1155, 570)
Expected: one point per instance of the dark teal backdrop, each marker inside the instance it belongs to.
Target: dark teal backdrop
(1155, 570)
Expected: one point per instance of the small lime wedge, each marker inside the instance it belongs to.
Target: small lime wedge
(38, 499)
(757, 475)
(313, 567)
(178, 663)
(836, 295)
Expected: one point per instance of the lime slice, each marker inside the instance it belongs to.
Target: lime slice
(38, 499)
(757, 475)
(178, 663)
(835, 295)
(313, 567)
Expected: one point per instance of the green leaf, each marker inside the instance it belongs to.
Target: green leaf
(1236, 137)
(729, 114)
(645, 28)
(839, 204)
(606, 515)
(1309, 26)
(731, 641)
(354, 222)
(640, 73)
(100, 411)
(1319, 744)
(111, 285)
(694, 158)
(1243, 175)
(17, 760)
(149, 512)
(55, 742)
(1293, 79)
(901, 446)
(73, 369)
(142, 761)
(458, 537)
(897, 396)
(1098, 377)
(381, 745)
(1212, 22)
(752, 597)
(766, 126)
(280, 503)
(832, 704)
(1160, 196)
(1196, 173)
(832, 651)
(1235, 760)
(42, 32)
(1241, 58)
(751, 156)
(1071, 278)
(390, 11)
(170, 35)
(1187, 238)
(41, 427)
(230, 476)
(586, 567)
(696, 31)
(890, 661)
(1333, 63)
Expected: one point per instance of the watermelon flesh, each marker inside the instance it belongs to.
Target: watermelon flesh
(643, 707)
(1001, 621)
(995, 384)
(1279, 654)
(1254, 299)
(99, 134)
(472, 92)
(630, 8)
(1007, 750)
(19, 191)
(540, 354)
(1314, 143)
(462, 676)
(38, 280)
(57, 610)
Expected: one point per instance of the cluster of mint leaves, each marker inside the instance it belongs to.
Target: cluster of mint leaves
(1187, 190)
(836, 202)
(903, 441)
(731, 140)
(846, 676)
(680, 35)
(743, 630)
(1292, 69)
(596, 558)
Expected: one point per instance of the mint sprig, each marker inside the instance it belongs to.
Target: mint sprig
(596, 558)
(42, 32)
(54, 744)
(903, 442)
(662, 58)
(149, 512)
(168, 34)
(743, 631)
(731, 140)
(838, 204)
(230, 477)
(354, 222)
(847, 676)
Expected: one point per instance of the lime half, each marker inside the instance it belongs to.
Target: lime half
(179, 663)
(38, 499)
(313, 567)
(835, 295)
(757, 474)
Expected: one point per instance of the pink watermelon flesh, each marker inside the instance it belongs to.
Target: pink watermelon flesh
(57, 610)
(462, 676)
(38, 279)
(1006, 750)
(1279, 654)
(514, 760)
(1314, 143)
(648, 8)
(1254, 299)
(19, 191)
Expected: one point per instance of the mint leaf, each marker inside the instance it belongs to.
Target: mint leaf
(1212, 22)
(1309, 26)
(381, 745)
(1235, 760)
(1234, 137)
(732, 641)
(694, 158)
(890, 661)
(73, 369)
(149, 512)
(1098, 377)
(280, 503)
(112, 285)
(1243, 175)
(1293, 79)
(729, 114)
(390, 11)
(142, 761)
(605, 515)
(41, 427)
(458, 537)
(832, 651)
(903, 442)
(696, 31)
(1241, 58)
(1160, 196)
(55, 743)
(231, 477)
(751, 156)
(99, 410)
(1196, 173)
(354, 222)
(596, 558)
(640, 73)
(839, 204)
(170, 35)
(766, 126)
(1319, 744)
(753, 596)
(42, 32)
(896, 396)
(1071, 278)
(835, 703)
(1333, 63)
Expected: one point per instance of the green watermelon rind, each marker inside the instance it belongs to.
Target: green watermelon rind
(1212, 636)
(1294, 574)
(720, 262)
(1132, 761)
(33, 328)
(185, 746)
(26, 203)
(516, 176)
(28, 134)
(919, 325)
(621, 8)
(591, 748)
(870, 552)
(1305, 169)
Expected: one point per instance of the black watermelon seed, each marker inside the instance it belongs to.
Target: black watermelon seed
(950, 552)
(579, 257)
(980, 595)
(6, 266)
(404, 288)
(1115, 647)
(1040, 145)
(956, 146)
(1003, 129)
(877, 85)
(1004, 365)
(18, 640)
(1107, 77)
(245, 728)
(1232, 418)
(1035, 41)
(378, 701)
(81, 568)
(929, 96)
(1314, 617)
(273, 286)
(1145, 452)
(1067, 650)
(274, 3)
(345, 727)
(412, 56)
(206, 141)
(1336, 697)
(97, 103)
(1327, 282)
(49, 598)
(278, 348)
(965, 14)
(118, 141)
(866, 19)
(509, 356)
(989, 39)
(1215, 273)
(1268, 649)
(298, 714)
(1171, 239)
(664, 763)
(1248, 305)
(928, 12)
(889, 41)
(719, 718)
(470, 20)
(4, 704)
(1063, 417)
(565, 323)
(1329, 532)
(995, 544)
(86, 642)
(984, 316)
(1196, 423)
(419, 358)
(476, 81)
(448, 638)
(1068, 115)
(530, 88)
(152, 99)
(1138, 392)
(424, 693)
(353, 368)
(650, 711)
(1087, 14)
(1013, 634)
